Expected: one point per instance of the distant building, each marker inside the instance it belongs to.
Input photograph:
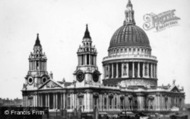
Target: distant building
(129, 77)
(9, 102)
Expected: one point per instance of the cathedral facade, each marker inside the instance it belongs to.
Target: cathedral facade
(129, 74)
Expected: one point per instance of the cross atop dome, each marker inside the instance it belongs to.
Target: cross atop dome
(129, 3)
(129, 14)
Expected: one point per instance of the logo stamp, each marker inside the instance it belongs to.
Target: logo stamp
(160, 21)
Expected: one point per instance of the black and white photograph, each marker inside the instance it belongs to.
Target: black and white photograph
(94, 59)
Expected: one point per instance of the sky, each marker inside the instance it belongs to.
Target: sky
(61, 26)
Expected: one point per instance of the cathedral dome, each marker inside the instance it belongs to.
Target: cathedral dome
(129, 35)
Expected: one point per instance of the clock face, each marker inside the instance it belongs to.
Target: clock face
(80, 76)
(96, 75)
(30, 80)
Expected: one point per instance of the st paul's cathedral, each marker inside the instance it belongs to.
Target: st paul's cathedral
(129, 82)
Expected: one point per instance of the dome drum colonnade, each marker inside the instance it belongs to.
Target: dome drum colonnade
(130, 69)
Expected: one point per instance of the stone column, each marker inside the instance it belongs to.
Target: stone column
(138, 69)
(133, 69)
(127, 65)
(36, 100)
(48, 100)
(99, 102)
(64, 98)
(91, 101)
(143, 69)
(45, 100)
(117, 72)
(53, 100)
(90, 63)
(33, 101)
(84, 59)
(78, 60)
(60, 102)
(109, 67)
(104, 72)
(155, 71)
(107, 71)
(39, 100)
(122, 70)
(159, 102)
(95, 60)
(150, 70)
(147, 69)
(81, 59)
(140, 101)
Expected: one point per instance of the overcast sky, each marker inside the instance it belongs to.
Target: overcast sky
(61, 26)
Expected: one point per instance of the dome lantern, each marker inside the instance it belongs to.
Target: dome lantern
(129, 14)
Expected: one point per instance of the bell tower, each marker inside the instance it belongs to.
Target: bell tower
(87, 70)
(37, 73)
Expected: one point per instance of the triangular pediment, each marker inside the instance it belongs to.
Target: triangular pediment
(50, 85)
(175, 89)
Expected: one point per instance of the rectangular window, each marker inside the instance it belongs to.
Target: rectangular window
(110, 103)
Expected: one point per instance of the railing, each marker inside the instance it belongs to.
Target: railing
(129, 56)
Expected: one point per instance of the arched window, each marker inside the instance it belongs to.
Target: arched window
(37, 65)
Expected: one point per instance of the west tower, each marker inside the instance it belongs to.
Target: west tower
(87, 71)
(37, 73)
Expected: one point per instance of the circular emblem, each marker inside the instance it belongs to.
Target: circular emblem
(80, 76)
(96, 75)
(30, 80)
(44, 79)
